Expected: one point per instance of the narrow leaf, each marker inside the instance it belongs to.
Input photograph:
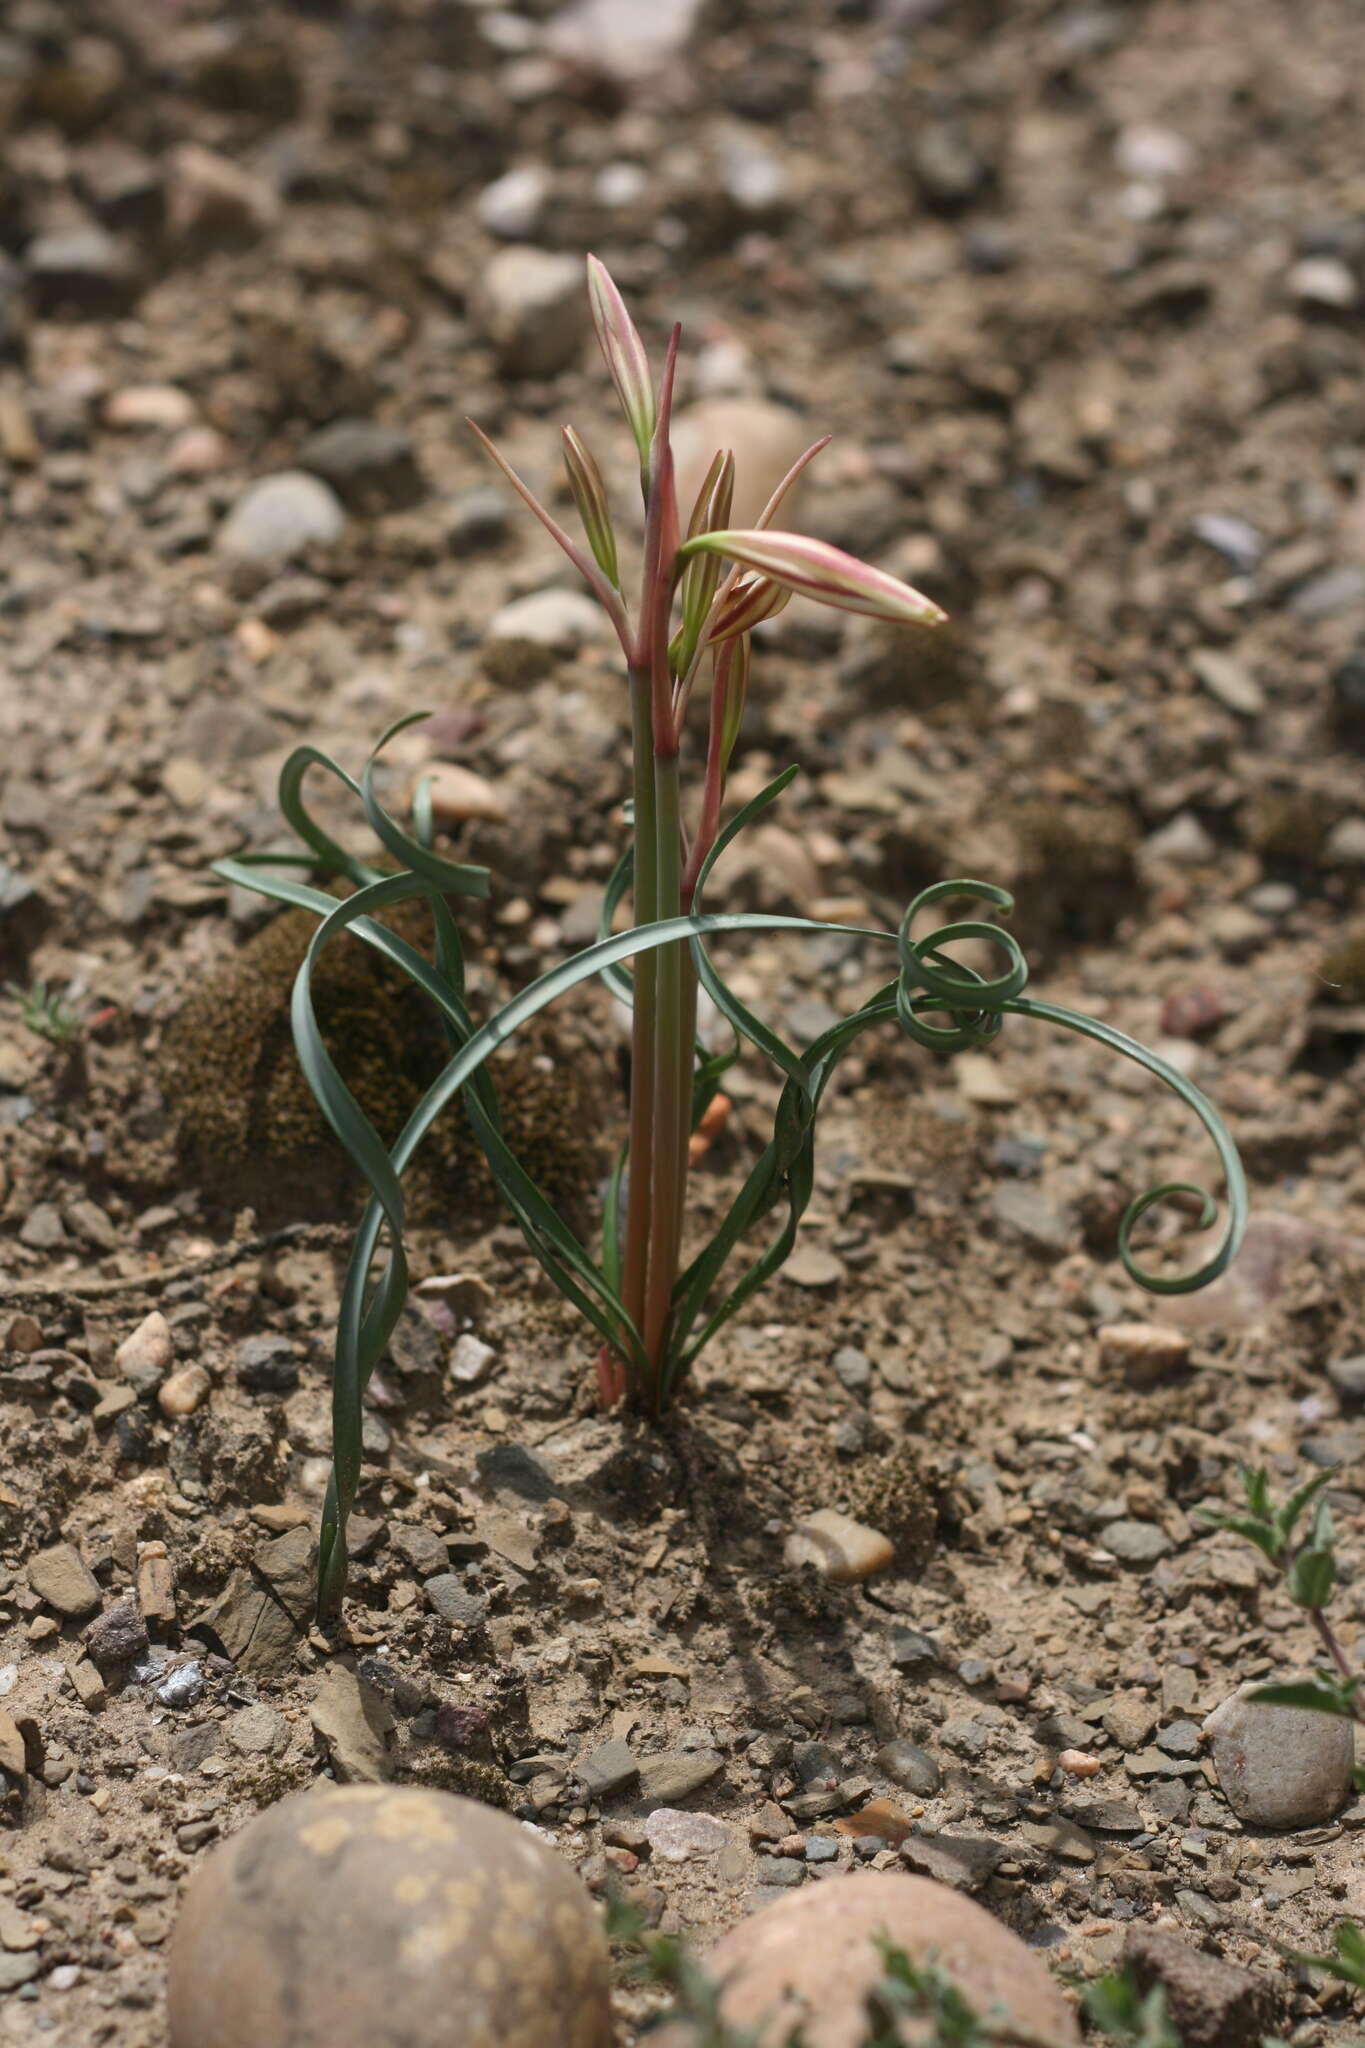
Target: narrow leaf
(590, 496)
(624, 355)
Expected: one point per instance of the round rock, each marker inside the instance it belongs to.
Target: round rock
(377, 1916)
(1280, 1767)
(812, 1958)
(279, 516)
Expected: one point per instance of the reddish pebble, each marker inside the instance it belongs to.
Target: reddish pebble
(1190, 1012)
(1077, 1764)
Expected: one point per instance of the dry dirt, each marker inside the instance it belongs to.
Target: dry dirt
(1079, 291)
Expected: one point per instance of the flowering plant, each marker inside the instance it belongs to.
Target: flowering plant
(701, 594)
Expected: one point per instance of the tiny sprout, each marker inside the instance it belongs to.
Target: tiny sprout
(43, 1011)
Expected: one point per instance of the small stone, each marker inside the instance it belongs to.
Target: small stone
(980, 1081)
(213, 203)
(839, 1548)
(1211, 2003)
(156, 1586)
(458, 794)
(279, 516)
(852, 1369)
(1225, 679)
(1145, 1353)
(267, 1365)
(1135, 1542)
(89, 1687)
(766, 440)
(559, 620)
(117, 1637)
(1183, 841)
(372, 468)
(781, 1871)
(1348, 1376)
(138, 406)
(511, 207)
(676, 1774)
(24, 1334)
(534, 305)
(470, 1360)
(948, 168)
(1237, 540)
(450, 1598)
(1060, 1838)
(354, 1727)
(183, 1392)
(422, 1549)
(1345, 844)
(1323, 284)
(610, 1768)
(477, 520)
(1150, 153)
(81, 271)
(1329, 594)
(964, 1862)
(911, 1650)
(42, 1230)
(913, 1769)
(1130, 1718)
(810, 1265)
(1023, 1213)
(1077, 1763)
(1191, 1012)
(674, 1837)
(258, 1731)
(64, 1582)
(1180, 1739)
(1280, 1767)
(511, 1468)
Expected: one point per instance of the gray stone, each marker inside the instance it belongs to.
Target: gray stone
(267, 1365)
(82, 271)
(911, 1650)
(676, 1774)
(852, 1369)
(279, 516)
(1330, 593)
(477, 519)
(512, 205)
(779, 1870)
(1182, 1738)
(64, 1582)
(1225, 679)
(964, 1862)
(1023, 1213)
(421, 1548)
(371, 468)
(676, 1837)
(913, 1769)
(1280, 1767)
(1183, 841)
(1211, 2003)
(511, 1468)
(262, 1614)
(1348, 1376)
(534, 304)
(559, 620)
(451, 1599)
(117, 1636)
(1137, 1543)
(607, 1770)
(146, 1356)
(258, 1731)
(42, 1230)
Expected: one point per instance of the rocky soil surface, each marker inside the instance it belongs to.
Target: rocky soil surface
(917, 1575)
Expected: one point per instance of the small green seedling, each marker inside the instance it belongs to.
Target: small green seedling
(44, 1012)
(654, 1303)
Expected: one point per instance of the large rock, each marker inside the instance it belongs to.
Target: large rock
(380, 1917)
(812, 1958)
(1212, 2004)
(1280, 1767)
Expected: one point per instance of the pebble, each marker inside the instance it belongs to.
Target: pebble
(676, 1774)
(279, 516)
(1348, 1376)
(534, 305)
(148, 405)
(511, 207)
(1077, 1763)
(810, 1265)
(1280, 1767)
(372, 468)
(1226, 680)
(610, 1768)
(811, 1958)
(451, 1599)
(458, 794)
(82, 271)
(852, 1369)
(148, 1353)
(560, 620)
(183, 1392)
(267, 1365)
(470, 1360)
(1183, 841)
(674, 1837)
(1211, 2003)
(766, 440)
(117, 1636)
(913, 1769)
(1026, 1214)
(911, 1651)
(839, 1547)
(214, 203)
(449, 1907)
(1135, 1542)
(1145, 1353)
(1143, 151)
(64, 1582)
(1324, 284)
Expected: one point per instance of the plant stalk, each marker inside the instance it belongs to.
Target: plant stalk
(668, 1170)
(635, 1264)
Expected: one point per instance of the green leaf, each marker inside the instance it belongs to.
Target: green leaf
(1262, 1534)
(1288, 1515)
(1311, 1578)
(1319, 1695)
(1347, 1965)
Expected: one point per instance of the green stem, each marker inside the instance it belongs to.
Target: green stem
(667, 1172)
(635, 1265)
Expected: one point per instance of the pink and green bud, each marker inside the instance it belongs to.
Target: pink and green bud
(814, 569)
(590, 496)
(702, 572)
(753, 599)
(624, 355)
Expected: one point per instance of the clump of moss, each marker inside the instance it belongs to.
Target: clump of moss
(1076, 874)
(247, 1116)
(895, 1494)
(1341, 975)
(1289, 828)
